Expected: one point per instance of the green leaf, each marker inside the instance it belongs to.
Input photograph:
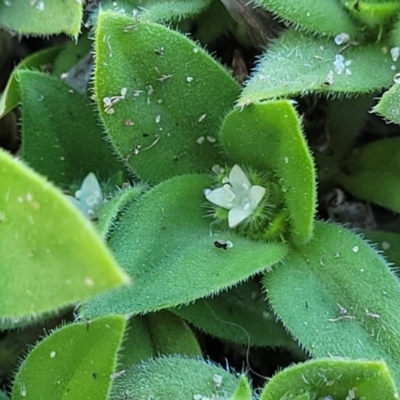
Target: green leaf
(10, 97)
(388, 105)
(326, 17)
(345, 299)
(174, 378)
(163, 116)
(377, 162)
(66, 142)
(163, 241)
(333, 379)
(108, 212)
(76, 361)
(309, 68)
(39, 17)
(372, 13)
(269, 137)
(51, 256)
(238, 316)
(160, 333)
(243, 391)
(158, 10)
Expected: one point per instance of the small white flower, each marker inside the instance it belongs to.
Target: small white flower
(89, 195)
(236, 195)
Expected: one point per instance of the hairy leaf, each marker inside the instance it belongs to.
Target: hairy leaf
(174, 378)
(51, 256)
(269, 137)
(328, 378)
(76, 361)
(338, 297)
(40, 17)
(326, 17)
(301, 64)
(163, 115)
(166, 244)
(66, 142)
(388, 105)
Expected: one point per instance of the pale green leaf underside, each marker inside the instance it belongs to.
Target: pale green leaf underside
(66, 142)
(76, 362)
(40, 17)
(333, 379)
(326, 17)
(173, 378)
(166, 123)
(51, 256)
(238, 316)
(269, 137)
(338, 269)
(164, 242)
(10, 97)
(388, 105)
(159, 333)
(298, 63)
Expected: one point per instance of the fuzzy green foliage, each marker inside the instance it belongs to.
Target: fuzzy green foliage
(42, 232)
(163, 115)
(331, 312)
(39, 17)
(75, 361)
(314, 16)
(316, 65)
(388, 105)
(329, 378)
(68, 125)
(167, 246)
(174, 378)
(269, 137)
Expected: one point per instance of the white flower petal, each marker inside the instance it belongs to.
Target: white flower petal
(221, 197)
(237, 215)
(256, 195)
(238, 179)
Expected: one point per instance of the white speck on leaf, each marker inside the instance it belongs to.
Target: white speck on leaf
(200, 139)
(202, 117)
(355, 249)
(395, 53)
(52, 354)
(237, 195)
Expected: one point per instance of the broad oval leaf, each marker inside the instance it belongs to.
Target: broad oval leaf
(329, 378)
(166, 244)
(76, 361)
(42, 17)
(51, 255)
(162, 116)
(66, 142)
(344, 301)
(269, 137)
(326, 17)
(316, 65)
(174, 378)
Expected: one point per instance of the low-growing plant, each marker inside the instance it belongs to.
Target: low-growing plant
(154, 201)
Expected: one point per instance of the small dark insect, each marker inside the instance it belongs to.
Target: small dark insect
(94, 375)
(222, 244)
